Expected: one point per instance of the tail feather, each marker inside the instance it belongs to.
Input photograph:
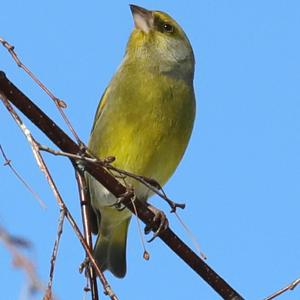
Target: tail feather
(110, 249)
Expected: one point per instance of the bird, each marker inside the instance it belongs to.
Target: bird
(144, 119)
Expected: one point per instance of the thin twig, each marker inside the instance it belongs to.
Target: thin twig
(40, 161)
(7, 162)
(85, 208)
(289, 287)
(48, 293)
(60, 104)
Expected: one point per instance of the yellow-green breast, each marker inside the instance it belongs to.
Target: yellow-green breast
(145, 121)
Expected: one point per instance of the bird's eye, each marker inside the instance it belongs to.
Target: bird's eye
(168, 28)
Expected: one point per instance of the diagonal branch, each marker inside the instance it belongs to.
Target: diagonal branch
(57, 136)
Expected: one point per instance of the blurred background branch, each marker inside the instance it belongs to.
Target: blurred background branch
(15, 245)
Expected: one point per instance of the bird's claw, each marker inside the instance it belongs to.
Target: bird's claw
(159, 220)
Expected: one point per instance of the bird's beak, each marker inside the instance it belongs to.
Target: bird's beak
(143, 18)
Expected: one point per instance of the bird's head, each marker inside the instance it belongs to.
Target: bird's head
(157, 40)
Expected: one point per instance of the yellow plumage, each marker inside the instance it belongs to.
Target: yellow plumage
(145, 120)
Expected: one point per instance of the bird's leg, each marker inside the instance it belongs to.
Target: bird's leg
(159, 223)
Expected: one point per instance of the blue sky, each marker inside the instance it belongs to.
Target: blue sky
(239, 177)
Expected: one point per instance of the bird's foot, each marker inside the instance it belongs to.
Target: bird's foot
(159, 223)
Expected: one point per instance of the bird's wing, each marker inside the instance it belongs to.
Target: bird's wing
(94, 216)
(100, 108)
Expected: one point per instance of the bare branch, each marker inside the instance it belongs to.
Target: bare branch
(58, 137)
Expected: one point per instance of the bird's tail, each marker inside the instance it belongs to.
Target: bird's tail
(110, 249)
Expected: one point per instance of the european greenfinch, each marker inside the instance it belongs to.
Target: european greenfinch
(145, 119)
